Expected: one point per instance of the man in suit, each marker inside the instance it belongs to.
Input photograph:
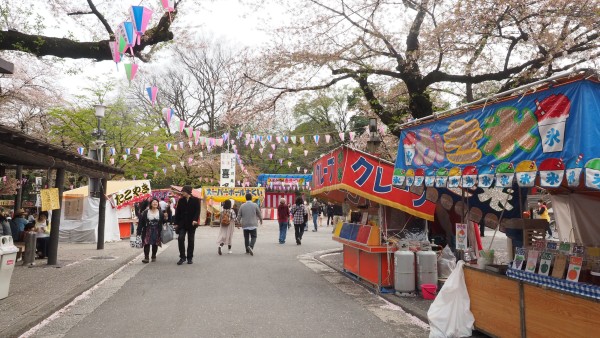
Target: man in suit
(187, 213)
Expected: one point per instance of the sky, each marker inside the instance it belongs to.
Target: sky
(226, 20)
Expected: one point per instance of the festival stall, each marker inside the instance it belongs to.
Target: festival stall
(383, 211)
(80, 220)
(214, 196)
(279, 186)
(544, 134)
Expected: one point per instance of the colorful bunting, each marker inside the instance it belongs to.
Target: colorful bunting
(112, 160)
(302, 139)
(316, 138)
(305, 152)
(181, 126)
(131, 70)
(152, 93)
(342, 136)
(327, 138)
(140, 16)
(351, 135)
(293, 139)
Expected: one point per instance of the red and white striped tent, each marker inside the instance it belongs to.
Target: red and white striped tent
(269, 210)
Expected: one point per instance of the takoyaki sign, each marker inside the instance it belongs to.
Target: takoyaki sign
(131, 195)
(550, 135)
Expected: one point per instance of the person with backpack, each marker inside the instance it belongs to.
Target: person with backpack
(226, 230)
(249, 217)
(300, 216)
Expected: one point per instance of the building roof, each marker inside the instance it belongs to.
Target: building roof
(18, 148)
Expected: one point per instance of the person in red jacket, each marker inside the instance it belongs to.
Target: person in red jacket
(283, 216)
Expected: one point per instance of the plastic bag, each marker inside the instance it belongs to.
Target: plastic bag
(167, 233)
(450, 313)
(446, 262)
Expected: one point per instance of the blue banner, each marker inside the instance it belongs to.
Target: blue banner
(549, 137)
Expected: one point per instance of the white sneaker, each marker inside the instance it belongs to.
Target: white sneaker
(230, 251)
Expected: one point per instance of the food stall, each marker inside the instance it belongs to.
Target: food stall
(279, 186)
(364, 182)
(212, 197)
(80, 225)
(540, 135)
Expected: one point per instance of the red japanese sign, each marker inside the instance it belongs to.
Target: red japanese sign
(369, 177)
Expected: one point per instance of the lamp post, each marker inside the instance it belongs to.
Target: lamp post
(98, 185)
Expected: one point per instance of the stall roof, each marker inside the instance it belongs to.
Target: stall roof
(111, 187)
(347, 172)
(17, 148)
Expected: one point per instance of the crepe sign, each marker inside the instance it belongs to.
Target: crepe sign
(127, 197)
(49, 199)
(461, 236)
(220, 194)
(545, 263)
(574, 268)
(519, 258)
(546, 136)
(369, 177)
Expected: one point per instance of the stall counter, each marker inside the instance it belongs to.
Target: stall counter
(126, 227)
(506, 307)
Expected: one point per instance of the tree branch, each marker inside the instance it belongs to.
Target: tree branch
(101, 18)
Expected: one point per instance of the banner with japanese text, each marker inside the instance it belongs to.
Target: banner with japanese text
(548, 136)
(129, 196)
(220, 194)
(363, 175)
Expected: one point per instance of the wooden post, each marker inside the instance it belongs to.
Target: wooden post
(19, 196)
(55, 223)
(101, 215)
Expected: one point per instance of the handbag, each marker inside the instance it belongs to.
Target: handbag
(167, 233)
(135, 241)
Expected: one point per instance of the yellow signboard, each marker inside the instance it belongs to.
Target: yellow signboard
(49, 199)
(220, 194)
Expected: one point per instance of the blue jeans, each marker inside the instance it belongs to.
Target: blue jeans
(283, 226)
(315, 218)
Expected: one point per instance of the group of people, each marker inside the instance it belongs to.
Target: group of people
(22, 223)
(185, 220)
(299, 214)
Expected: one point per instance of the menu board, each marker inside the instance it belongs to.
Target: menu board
(532, 258)
(519, 258)
(49, 199)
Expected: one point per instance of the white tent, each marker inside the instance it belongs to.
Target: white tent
(84, 228)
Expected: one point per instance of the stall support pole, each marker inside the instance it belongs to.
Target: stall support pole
(101, 215)
(19, 195)
(55, 228)
(522, 310)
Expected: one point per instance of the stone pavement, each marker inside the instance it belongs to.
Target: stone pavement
(38, 291)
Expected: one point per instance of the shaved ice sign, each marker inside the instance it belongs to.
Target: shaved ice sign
(546, 138)
(461, 236)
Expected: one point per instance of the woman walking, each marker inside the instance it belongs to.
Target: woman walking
(150, 228)
(300, 216)
(226, 230)
(283, 216)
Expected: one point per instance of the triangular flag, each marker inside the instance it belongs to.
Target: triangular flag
(124, 157)
(280, 161)
(273, 146)
(174, 147)
(239, 135)
(293, 139)
(298, 168)
(155, 148)
(157, 154)
(290, 151)
(342, 136)
(191, 144)
(112, 151)
(112, 160)
(196, 136)
(128, 151)
(152, 92)
(278, 139)
(289, 164)
(181, 126)
(316, 138)
(306, 153)
(252, 146)
(173, 166)
(269, 138)
(137, 156)
(261, 150)
(140, 150)
(351, 134)
(189, 131)
(327, 138)
(181, 145)
(190, 160)
(305, 171)
(165, 170)
(285, 139)
(270, 156)
(302, 139)
(181, 163)
(145, 175)
(169, 145)
(131, 69)
(155, 173)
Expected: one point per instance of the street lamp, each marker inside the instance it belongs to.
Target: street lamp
(98, 152)
(374, 139)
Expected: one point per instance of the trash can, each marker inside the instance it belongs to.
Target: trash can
(8, 257)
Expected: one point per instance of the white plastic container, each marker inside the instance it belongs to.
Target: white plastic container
(8, 258)
(426, 268)
(404, 271)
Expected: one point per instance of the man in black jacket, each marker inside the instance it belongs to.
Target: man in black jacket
(187, 213)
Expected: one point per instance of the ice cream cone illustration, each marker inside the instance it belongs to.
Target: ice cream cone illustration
(454, 177)
(526, 172)
(552, 114)
(486, 177)
(419, 177)
(469, 176)
(410, 177)
(399, 176)
(409, 143)
(505, 174)
(441, 177)
(552, 171)
(573, 171)
(592, 173)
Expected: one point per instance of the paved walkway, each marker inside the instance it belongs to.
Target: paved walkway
(39, 291)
